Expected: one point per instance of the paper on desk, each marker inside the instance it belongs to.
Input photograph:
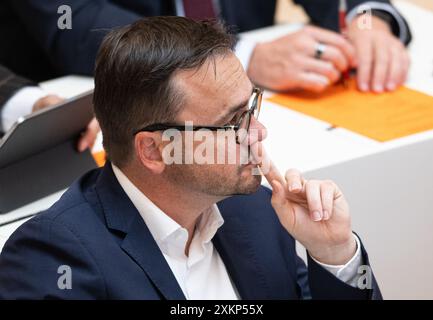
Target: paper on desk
(381, 117)
(100, 158)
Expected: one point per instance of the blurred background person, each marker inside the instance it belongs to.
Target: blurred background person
(312, 58)
(20, 97)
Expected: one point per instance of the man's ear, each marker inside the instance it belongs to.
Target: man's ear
(147, 149)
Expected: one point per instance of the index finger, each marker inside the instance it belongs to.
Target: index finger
(294, 180)
(271, 173)
(266, 166)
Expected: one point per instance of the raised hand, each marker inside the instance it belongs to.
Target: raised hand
(315, 213)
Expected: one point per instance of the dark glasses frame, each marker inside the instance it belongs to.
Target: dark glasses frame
(253, 111)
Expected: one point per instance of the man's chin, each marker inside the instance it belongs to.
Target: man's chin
(249, 184)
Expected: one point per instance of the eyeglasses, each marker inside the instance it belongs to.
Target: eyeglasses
(241, 126)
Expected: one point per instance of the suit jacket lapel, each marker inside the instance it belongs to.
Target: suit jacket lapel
(233, 243)
(236, 249)
(121, 215)
(140, 245)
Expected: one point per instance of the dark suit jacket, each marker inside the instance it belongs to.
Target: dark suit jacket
(9, 84)
(38, 49)
(95, 229)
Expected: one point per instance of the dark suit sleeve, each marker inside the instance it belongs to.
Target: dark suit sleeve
(9, 84)
(31, 258)
(315, 282)
(325, 14)
(72, 50)
(323, 285)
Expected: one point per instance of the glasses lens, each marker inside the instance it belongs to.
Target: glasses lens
(245, 120)
(244, 124)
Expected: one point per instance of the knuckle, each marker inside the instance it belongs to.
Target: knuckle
(319, 88)
(305, 46)
(365, 60)
(341, 42)
(315, 205)
(308, 29)
(364, 73)
(381, 61)
(380, 71)
(340, 58)
(311, 183)
(297, 60)
(328, 184)
(293, 172)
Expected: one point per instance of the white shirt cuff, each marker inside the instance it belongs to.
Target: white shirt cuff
(347, 273)
(373, 5)
(20, 104)
(244, 50)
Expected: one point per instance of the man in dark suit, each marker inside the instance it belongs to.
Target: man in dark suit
(154, 225)
(20, 97)
(310, 59)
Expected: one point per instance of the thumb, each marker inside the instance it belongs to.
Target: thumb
(87, 140)
(83, 144)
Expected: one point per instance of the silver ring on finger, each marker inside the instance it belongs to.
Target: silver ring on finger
(320, 50)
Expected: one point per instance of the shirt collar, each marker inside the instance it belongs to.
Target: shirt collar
(168, 234)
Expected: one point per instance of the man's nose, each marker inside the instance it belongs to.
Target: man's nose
(257, 131)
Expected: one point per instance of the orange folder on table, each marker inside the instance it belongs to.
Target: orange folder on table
(381, 117)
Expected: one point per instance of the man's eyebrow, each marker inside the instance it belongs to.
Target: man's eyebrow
(233, 110)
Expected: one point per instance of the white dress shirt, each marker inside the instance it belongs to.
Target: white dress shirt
(19, 105)
(202, 274)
